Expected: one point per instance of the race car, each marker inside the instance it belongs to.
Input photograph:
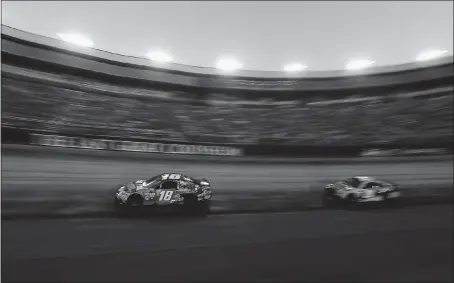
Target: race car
(360, 190)
(168, 189)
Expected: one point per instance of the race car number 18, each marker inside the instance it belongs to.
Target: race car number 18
(165, 195)
(171, 176)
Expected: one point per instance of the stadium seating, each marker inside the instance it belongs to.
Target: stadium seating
(71, 105)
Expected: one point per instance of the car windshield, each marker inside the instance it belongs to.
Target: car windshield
(153, 179)
(193, 179)
(130, 186)
(353, 182)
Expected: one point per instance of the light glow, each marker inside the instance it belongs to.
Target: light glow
(228, 65)
(75, 39)
(356, 65)
(430, 55)
(159, 56)
(294, 67)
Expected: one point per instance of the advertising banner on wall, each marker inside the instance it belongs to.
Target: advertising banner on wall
(403, 152)
(107, 144)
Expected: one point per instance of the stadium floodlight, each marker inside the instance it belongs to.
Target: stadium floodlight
(357, 65)
(430, 55)
(159, 56)
(75, 39)
(228, 65)
(294, 67)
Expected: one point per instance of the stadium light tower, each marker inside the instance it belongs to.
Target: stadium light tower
(75, 39)
(357, 65)
(430, 55)
(159, 56)
(228, 65)
(294, 67)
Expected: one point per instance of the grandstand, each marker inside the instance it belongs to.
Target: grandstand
(40, 97)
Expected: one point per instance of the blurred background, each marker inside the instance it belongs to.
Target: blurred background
(281, 40)
(269, 101)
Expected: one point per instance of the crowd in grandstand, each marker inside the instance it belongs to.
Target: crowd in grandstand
(75, 106)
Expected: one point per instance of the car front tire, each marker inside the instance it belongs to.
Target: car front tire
(327, 201)
(351, 201)
(195, 207)
(134, 201)
(393, 202)
(327, 198)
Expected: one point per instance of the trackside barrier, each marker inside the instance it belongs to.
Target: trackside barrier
(404, 152)
(106, 144)
(261, 149)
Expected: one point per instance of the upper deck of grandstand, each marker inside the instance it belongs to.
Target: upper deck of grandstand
(51, 86)
(21, 44)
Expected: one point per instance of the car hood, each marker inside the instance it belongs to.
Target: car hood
(200, 181)
(131, 186)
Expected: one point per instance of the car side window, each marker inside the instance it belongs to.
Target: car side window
(168, 185)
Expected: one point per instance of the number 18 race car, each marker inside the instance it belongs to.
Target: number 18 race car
(169, 189)
(360, 190)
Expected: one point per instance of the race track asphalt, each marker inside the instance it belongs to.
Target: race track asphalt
(412, 244)
(403, 244)
(52, 181)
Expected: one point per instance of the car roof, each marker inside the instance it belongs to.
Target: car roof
(365, 178)
(182, 176)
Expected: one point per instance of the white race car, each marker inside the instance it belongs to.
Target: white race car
(360, 190)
